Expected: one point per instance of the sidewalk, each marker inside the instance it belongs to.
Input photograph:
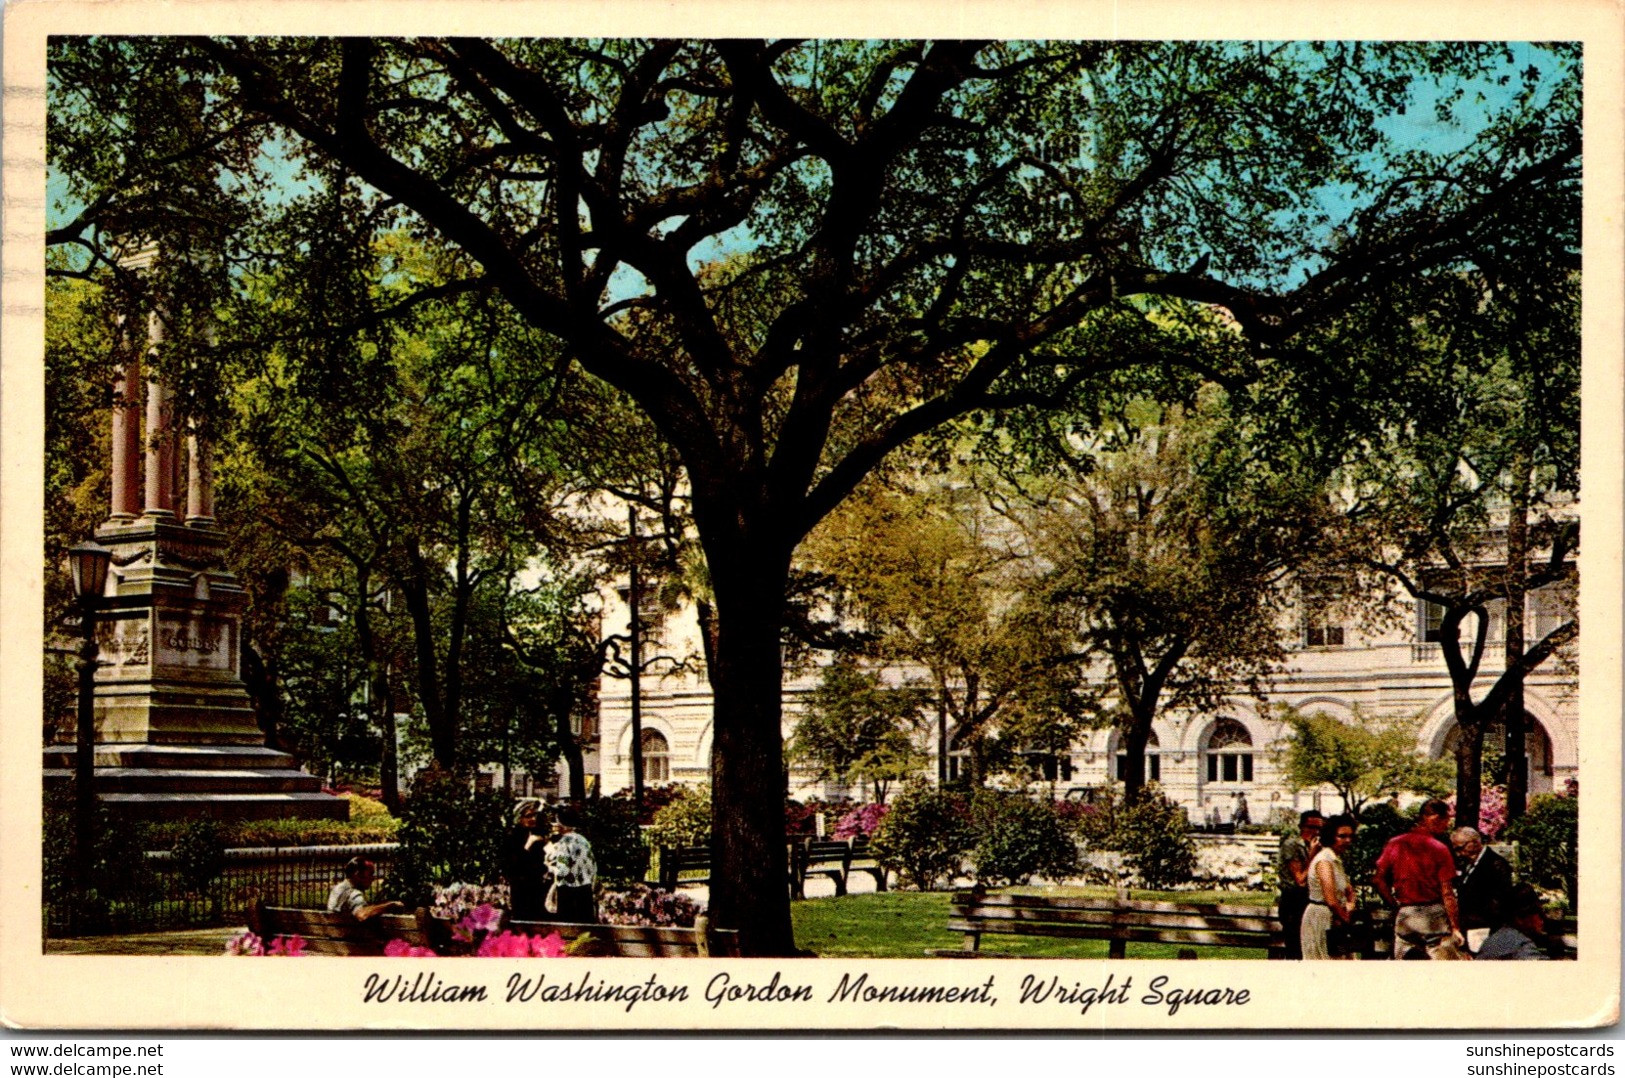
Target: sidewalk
(190, 941)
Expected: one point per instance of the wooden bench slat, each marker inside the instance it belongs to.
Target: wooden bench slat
(325, 932)
(1117, 921)
(1085, 902)
(1114, 915)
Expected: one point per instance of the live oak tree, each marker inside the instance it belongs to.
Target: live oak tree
(1467, 504)
(941, 586)
(920, 230)
(1169, 540)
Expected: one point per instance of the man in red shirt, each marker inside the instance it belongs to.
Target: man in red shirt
(1413, 876)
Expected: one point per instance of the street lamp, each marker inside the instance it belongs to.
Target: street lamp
(87, 564)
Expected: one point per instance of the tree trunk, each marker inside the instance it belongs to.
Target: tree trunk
(1135, 737)
(442, 730)
(749, 891)
(1469, 766)
(380, 707)
(569, 746)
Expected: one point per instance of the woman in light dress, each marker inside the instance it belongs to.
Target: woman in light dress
(1331, 896)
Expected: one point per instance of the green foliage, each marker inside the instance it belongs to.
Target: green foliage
(369, 822)
(1018, 838)
(119, 872)
(1153, 836)
(611, 825)
(930, 573)
(926, 836)
(857, 728)
(200, 854)
(1361, 760)
(686, 821)
(449, 831)
(1166, 533)
(1548, 838)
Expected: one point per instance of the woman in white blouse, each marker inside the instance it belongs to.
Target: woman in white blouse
(1331, 896)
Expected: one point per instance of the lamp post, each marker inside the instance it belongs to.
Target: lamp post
(88, 564)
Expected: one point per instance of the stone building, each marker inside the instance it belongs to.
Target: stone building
(1205, 762)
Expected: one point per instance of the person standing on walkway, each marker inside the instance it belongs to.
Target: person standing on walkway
(1415, 876)
(522, 863)
(1331, 897)
(1292, 871)
(569, 859)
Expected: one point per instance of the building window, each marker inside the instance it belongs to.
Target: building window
(1048, 767)
(1153, 760)
(1322, 624)
(1429, 619)
(656, 757)
(1229, 752)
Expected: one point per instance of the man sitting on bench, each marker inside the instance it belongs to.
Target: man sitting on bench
(348, 895)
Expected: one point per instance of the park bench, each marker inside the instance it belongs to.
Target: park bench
(690, 866)
(325, 932)
(639, 941)
(681, 865)
(1117, 920)
(836, 858)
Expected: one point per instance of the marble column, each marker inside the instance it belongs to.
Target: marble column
(126, 475)
(199, 482)
(200, 465)
(161, 456)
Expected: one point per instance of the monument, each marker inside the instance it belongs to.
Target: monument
(176, 734)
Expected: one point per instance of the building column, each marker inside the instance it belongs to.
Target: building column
(199, 481)
(161, 456)
(126, 477)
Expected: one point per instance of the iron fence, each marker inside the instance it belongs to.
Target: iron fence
(280, 875)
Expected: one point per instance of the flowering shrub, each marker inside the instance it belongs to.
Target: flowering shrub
(1492, 810)
(655, 798)
(1227, 866)
(501, 945)
(641, 905)
(246, 944)
(455, 901)
(860, 822)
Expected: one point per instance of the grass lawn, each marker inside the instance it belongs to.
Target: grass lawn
(905, 924)
(895, 924)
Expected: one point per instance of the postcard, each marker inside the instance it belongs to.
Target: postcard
(939, 517)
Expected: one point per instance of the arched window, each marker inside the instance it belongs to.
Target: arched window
(1153, 759)
(656, 757)
(1229, 752)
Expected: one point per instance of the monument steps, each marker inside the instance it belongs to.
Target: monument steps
(184, 780)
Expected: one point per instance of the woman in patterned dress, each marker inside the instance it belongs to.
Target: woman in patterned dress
(569, 859)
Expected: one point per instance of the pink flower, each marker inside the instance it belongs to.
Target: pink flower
(402, 949)
(483, 918)
(861, 821)
(516, 945)
(245, 944)
(287, 947)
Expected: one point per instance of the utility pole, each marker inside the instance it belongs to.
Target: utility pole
(636, 679)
